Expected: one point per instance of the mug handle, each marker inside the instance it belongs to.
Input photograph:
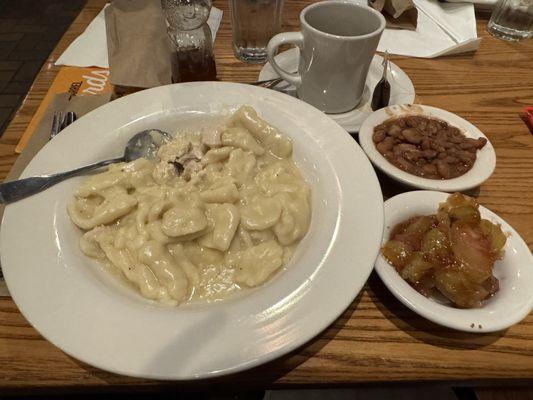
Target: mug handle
(295, 38)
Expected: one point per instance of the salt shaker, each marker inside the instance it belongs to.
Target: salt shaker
(192, 58)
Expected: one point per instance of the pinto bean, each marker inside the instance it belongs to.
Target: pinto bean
(437, 146)
(469, 143)
(474, 142)
(412, 122)
(456, 138)
(453, 152)
(389, 142)
(406, 147)
(465, 156)
(378, 135)
(385, 146)
(394, 130)
(429, 169)
(429, 154)
(465, 145)
(412, 135)
(422, 123)
(443, 169)
(481, 142)
(448, 145)
(405, 165)
(442, 136)
(402, 148)
(413, 155)
(432, 127)
(451, 160)
(426, 146)
(401, 123)
(462, 168)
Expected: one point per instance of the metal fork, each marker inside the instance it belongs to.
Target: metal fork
(60, 122)
(269, 83)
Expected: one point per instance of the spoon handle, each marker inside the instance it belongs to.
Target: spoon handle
(19, 189)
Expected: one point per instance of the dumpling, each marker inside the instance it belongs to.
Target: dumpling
(270, 137)
(116, 203)
(255, 264)
(260, 213)
(223, 222)
(226, 193)
(294, 220)
(240, 166)
(240, 137)
(180, 221)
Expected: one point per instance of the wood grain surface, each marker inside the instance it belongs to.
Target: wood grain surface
(376, 339)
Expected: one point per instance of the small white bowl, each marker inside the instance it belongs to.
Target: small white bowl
(480, 172)
(512, 302)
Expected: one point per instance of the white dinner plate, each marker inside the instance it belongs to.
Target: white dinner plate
(514, 299)
(96, 319)
(402, 89)
(479, 173)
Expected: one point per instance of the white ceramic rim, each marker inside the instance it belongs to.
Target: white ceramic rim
(305, 24)
(515, 273)
(108, 330)
(480, 172)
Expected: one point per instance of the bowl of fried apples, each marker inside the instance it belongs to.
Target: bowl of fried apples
(455, 262)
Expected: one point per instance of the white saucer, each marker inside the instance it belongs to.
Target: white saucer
(402, 89)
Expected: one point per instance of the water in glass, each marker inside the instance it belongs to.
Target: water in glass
(512, 20)
(254, 22)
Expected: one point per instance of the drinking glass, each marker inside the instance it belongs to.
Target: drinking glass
(512, 20)
(254, 22)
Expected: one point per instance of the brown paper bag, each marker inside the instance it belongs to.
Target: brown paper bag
(138, 46)
(400, 14)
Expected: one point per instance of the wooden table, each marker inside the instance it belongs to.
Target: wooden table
(376, 339)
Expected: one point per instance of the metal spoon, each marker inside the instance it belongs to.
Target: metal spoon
(143, 144)
(381, 95)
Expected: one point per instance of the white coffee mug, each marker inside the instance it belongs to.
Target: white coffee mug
(337, 42)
